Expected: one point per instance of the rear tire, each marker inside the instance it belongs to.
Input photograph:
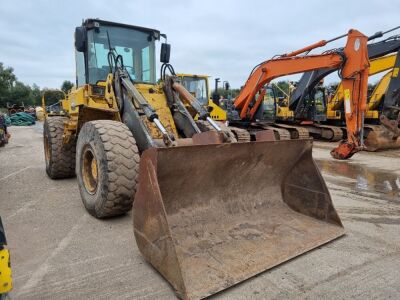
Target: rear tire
(107, 167)
(59, 157)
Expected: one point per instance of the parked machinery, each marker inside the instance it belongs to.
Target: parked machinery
(303, 102)
(353, 63)
(5, 266)
(198, 86)
(376, 136)
(207, 212)
(4, 134)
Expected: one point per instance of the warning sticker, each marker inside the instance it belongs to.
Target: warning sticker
(395, 72)
(347, 104)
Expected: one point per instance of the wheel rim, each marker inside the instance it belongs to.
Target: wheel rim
(46, 150)
(89, 170)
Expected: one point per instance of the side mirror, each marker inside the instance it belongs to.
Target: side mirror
(165, 53)
(80, 39)
(227, 86)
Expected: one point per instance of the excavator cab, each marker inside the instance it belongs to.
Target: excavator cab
(267, 111)
(313, 107)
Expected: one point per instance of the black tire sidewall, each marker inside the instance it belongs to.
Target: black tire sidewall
(89, 137)
(46, 134)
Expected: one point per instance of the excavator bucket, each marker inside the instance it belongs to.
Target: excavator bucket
(381, 139)
(210, 216)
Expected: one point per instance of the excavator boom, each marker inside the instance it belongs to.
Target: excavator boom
(353, 62)
(311, 79)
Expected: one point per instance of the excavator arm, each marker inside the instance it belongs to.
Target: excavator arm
(354, 65)
(377, 65)
(310, 79)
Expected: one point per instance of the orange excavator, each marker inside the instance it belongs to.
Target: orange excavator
(353, 64)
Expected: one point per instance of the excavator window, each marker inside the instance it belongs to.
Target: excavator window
(135, 47)
(319, 101)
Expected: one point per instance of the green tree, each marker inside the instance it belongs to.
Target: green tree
(282, 89)
(36, 95)
(52, 96)
(19, 93)
(67, 86)
(7, 79)
(227, 93)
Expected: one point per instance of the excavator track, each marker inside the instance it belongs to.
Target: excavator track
(325, 132)
(296, 132)
(242, 135)
(280, 133)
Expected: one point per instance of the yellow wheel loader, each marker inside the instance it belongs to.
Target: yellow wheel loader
(208, 212)
(5, 267)
(198, 85)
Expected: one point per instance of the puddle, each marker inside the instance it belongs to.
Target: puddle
(366, 179)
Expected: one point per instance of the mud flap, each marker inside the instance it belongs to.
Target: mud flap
(210, 216)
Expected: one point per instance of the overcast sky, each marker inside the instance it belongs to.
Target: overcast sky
(219, 38)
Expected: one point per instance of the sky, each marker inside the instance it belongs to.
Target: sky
(222, 38)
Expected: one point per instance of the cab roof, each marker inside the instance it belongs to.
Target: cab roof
(90, 23)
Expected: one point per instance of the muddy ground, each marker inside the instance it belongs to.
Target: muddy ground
(60, 252)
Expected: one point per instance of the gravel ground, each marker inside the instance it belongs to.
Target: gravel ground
(60, 252)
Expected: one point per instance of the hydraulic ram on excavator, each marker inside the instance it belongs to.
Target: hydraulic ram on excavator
(353, 62)
(376, 136)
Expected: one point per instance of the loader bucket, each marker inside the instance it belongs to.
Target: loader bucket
(210, 216)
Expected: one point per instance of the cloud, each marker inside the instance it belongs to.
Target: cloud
(220, 38)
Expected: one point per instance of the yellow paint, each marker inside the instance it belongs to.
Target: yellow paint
(5, 272)
(216, 112)
(395, 72)
(377, 65)
(381, 64)
(283, 112)
(158, 101)
(377, 96)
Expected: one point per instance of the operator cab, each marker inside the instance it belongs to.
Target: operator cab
(198, 86)
(317, 109)
(93, 41)
(267, 109)
(313, 106)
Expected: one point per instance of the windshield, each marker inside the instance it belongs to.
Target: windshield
(134, 47)
(268, 104)
(198, 87)
(319, 101)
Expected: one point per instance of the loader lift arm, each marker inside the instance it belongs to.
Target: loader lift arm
(354, 65)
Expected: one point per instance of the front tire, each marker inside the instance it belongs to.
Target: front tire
(59, 157)
(107, 166)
